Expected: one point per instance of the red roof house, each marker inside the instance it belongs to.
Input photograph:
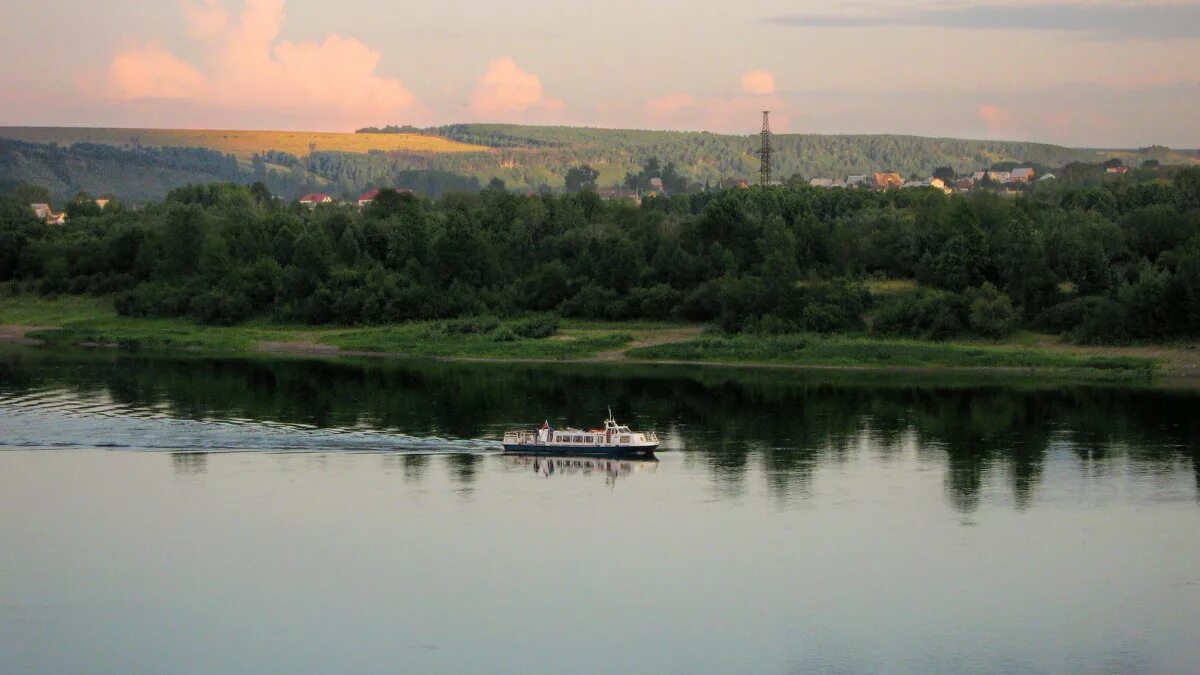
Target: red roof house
(311, 200)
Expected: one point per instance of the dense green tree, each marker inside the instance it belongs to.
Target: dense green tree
(581, 178)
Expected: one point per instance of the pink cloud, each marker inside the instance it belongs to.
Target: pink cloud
(997, 120)
(207, 19)
(245, 67)
(725, 114)
(669, 104)
(759, 82)
(150, 71)
(505, 89)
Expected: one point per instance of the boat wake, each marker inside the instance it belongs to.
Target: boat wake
(58, 419)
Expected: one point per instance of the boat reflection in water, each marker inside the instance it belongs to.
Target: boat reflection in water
(612, 468)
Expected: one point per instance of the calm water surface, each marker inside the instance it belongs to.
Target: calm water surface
(200, 516)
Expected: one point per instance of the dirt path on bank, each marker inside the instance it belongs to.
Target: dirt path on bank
(665, 336)
(15, 334)
(1174, 361)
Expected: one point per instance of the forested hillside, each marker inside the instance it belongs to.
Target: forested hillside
(707, 157)
(1115, 262)
(463, 157)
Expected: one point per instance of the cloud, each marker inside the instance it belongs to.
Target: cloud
(505, 89)
(758, 82)
(244, 67)
(669, 104)
(997, 120)
(150, 71)
(1101, 20)
(207, 19)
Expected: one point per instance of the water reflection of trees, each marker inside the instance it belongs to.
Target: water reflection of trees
(786, 424)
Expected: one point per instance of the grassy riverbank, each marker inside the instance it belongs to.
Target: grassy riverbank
(73, 321)
(870, 352)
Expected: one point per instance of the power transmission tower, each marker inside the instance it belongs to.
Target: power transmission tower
(765, 152)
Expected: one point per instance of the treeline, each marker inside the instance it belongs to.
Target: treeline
(707, 157)
(145, 173)
(1112, 263)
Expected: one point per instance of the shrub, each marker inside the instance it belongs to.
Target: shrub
(505, 334)
(472, 325)
(992, 313)
(220, 307)
(822, 318)
(923, 313)
(536, 327)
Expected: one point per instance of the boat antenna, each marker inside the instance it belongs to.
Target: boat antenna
(610, 417)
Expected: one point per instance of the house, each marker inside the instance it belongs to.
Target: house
(821, 182)
(657, 184)
(104, 200)
(935, 183)
(42, 211)
(1048, 176)
(740, 183)
(1119, 170)
(978, 176)
(1000, 176)
(885, 180)
(856, 181)
(1022, 175)
(965, 183)
(612, 194)
(367, 197)
(47, 215)
(315, 198)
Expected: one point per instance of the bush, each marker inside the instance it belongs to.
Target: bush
(594, 302)
(536, 327)
(153, 299)
(822, 318)
(923, 313)
(505, 334)
(473, 325)
(220, 307)
(992, 312)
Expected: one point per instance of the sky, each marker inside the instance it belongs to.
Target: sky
(1089, 73)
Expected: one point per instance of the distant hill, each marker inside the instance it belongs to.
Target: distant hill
(241, 144)
(531, 150)
(141, 164)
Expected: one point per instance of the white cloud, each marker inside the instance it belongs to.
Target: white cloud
(504, 89)
(758, 82)
(245, 67)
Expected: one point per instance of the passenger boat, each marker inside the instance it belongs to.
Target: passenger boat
(613, 439)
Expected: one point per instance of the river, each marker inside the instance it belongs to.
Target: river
(204, 515)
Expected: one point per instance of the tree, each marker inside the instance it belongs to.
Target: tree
(1188, 184)
(946, 173)
(992, 312)
(581, 178)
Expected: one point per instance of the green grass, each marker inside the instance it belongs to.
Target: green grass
(416, 339)
(869, 352)
(84, 320)
(74, 320)
(33, 310)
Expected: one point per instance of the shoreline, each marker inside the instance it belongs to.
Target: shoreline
(1171, 367)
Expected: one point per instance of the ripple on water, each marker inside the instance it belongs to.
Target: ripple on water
(59, 419)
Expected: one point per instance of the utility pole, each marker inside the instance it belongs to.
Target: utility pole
(765, 152)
